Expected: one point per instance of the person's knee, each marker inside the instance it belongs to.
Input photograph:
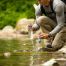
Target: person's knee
(58, 44)
(59, 40)
(41, 20)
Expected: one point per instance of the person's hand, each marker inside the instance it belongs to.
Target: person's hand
(43, 35)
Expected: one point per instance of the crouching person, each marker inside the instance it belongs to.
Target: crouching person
(50, 17)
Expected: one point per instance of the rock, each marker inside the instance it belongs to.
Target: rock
(51, 62)
(61, 61)
(7, 54)
(8, 33)
(55, 62)
(22, 25)
(63, 50)
(8, 29)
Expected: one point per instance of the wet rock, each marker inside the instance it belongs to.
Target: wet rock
(61, 61)
(7, 54)
(8, 33)
(51, 62)
(63, 50)
(22, 25)
(55, 62)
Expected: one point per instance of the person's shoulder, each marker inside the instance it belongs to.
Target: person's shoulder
(58, 4)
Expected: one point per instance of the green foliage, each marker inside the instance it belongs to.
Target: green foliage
(12, 10)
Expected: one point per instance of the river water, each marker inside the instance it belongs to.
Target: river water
(22, 53)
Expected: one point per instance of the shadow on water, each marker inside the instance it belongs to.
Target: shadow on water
(22, 53)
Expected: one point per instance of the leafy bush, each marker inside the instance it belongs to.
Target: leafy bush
(12, 10)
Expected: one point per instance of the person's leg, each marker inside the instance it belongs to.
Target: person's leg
(58, 42)
(46, 25)
(60, 39)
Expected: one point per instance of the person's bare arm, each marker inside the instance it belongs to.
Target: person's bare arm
(60, 19)
(37, 10)
(38, 13)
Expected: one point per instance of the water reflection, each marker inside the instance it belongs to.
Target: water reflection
(39, 57)
(22, 53)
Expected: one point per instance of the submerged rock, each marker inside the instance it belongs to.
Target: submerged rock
(7, 54)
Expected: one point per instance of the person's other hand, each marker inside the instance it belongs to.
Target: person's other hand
(44, 35)
(41, 35)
